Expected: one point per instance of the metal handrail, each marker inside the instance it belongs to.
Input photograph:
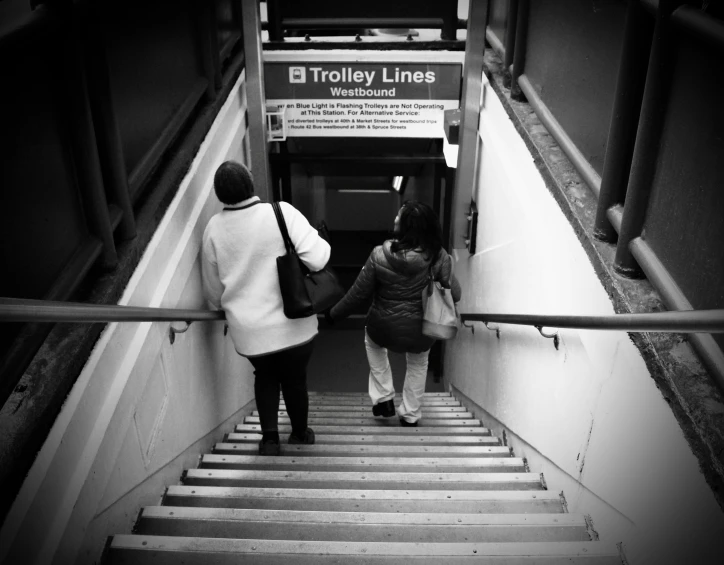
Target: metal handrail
(689, 321)
(26, 310)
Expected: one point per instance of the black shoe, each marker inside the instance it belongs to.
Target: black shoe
(385, 409)
(308, 438)
(405, 424)
(269, 447)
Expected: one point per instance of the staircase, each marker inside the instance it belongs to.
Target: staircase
(369, 491)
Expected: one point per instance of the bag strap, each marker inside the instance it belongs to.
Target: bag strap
(283, 228)
(432, 276)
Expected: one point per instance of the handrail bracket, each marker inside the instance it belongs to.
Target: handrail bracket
(471, 327)
(173, 331)
(496, 329)
(553, 336)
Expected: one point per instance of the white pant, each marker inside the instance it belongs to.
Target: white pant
(381, 388)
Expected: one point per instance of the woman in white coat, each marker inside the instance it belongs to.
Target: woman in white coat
(239, 251)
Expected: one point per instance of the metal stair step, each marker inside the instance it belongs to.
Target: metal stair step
(327, 450)
(343, 402)
(378, 430)
(167, 550)
(326, 438)
(359, 526)
(373, 500)
(366, 396)
(383, 464)
(364, 411)
(364, 480)
(371, 421)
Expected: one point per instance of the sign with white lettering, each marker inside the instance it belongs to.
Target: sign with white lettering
(363, 99)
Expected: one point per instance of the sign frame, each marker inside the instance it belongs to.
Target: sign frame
(332, 114)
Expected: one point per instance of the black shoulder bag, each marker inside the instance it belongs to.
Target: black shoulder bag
(304, 293)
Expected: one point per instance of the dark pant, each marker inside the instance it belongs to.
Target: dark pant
(286, 370)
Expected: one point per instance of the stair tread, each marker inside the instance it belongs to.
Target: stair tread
(371, 450)
(365, 395)
(330, 479)
(371, 421)
(359, 411)
(372, 494)
(342, 402)
(378, 430)
(367, 549)
(323, 437)
(321, 475)
(374, 500)
(363, 518)
(396, 462)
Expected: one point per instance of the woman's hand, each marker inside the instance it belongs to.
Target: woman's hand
(328, 317)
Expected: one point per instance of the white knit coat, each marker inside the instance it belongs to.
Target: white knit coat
(239, 271)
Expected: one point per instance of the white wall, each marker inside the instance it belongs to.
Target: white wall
(142, 409)
(589, 415)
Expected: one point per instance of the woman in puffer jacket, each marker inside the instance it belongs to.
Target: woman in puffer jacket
(394, 277)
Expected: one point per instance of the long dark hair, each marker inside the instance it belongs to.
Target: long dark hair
(419, 228)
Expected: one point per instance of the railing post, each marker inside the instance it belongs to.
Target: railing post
(256, 99)
(521, 40)
(208, 32)
(469, 120)
(635, 53)
(510, 33)
(83, 138)
(274, 20)
(646, 149)
(450, 20)
(108, 135)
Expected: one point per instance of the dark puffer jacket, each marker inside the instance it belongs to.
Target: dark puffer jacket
(394, 282)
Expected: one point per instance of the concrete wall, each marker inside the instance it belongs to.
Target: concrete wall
(588, 415)
(143, 409)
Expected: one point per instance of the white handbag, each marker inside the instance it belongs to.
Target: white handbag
(440, 318)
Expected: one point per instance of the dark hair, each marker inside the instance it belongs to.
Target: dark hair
(419, 228)
(233, 182)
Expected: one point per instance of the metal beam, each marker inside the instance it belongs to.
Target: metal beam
(256, 99)
(470, 116)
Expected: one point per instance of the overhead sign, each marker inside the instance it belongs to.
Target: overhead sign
(352, 99)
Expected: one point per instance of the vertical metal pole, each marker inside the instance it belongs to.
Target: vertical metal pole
(450, 20)
(437, 188)
(286, 173)
(276, 191)
(274, 20)
(255, 98)
(110, 146)
(208, 44)
(646, 150)
(213, 31)
(635, 52)
(510, 28)
(83, 138)
(521, 40)
(447, 209)
(469, 119)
